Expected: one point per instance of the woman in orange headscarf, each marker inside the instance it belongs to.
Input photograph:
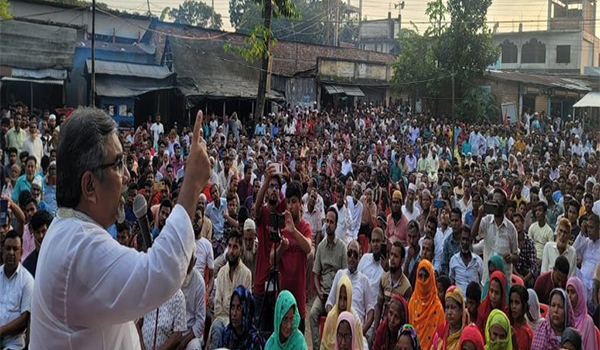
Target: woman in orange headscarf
(425, 308)
(448, 333)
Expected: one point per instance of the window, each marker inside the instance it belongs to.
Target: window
(534, 51)
(509, 52)
(563, 54)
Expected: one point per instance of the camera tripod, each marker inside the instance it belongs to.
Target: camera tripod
(270, 297)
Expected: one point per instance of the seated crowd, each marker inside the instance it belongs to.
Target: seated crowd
(325, 230)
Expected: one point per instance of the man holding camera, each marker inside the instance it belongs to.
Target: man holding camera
(292, 251)
(499, 235)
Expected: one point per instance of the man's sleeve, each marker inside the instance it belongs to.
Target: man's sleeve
(381, 295)
(317, 264)
(483, 226)
(198, 327)
(210, 259)
(27, 292)
(344, 258)
(333, 291)
(120, 283)
(370, 300)
(218, 298)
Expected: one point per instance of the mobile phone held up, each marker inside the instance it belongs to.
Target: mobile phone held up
(276, 223)
(3, 212)
(491, 208)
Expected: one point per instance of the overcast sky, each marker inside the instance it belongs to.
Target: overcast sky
(533, 12)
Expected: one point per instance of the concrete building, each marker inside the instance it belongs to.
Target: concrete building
(568, 46)
(380, 35)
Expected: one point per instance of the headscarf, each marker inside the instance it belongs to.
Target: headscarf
(296, 341)
(346, 316)
(573, 336)
(486, 307)
(330, 327)
(250, 337)
(498, 262)
(443, 340)
(408, 329)
(582, 320)
(498, 317)
(471, 333)
(382, 332)
(425, 308)
(534, 310)
(544, 338)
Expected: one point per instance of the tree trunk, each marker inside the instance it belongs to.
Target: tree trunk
(262, 83)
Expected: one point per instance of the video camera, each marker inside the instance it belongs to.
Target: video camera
(276, 223)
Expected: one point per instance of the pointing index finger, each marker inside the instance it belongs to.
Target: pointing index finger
(197, 127)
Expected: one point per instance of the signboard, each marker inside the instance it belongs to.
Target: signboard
(509, 110)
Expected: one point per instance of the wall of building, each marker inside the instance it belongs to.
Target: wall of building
(105, 25)
(551, 39)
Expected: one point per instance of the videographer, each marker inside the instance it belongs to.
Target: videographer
(89, 289)
(270, 189)
(292, 252)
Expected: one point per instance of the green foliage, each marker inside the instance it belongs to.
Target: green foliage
(196, 13)
(4, 12)
(255, 45)
(478, 105)
(310, 27)
(164, 13)
(466, 45)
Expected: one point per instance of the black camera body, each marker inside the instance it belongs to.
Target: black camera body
(491, 208)
(276, 223)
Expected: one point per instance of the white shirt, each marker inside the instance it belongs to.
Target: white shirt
(157, 129)
(463, 275)
(411, 216)
(344, 223)
(363, 299)
(170, 319)
(373, 270)
(355, 209)
(89, 288)
(438, 240)
(314, 219)
(195, 304)
(551, 253)
(589, 252)
(498, 240)
(204, 256)
(35, 148)
(346, 167)
(15, 299)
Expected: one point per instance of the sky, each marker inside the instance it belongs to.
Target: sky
(507, 12)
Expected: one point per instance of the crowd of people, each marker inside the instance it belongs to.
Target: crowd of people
(370, 228)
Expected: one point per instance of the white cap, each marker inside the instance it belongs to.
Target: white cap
(412, 187)
(249, 225)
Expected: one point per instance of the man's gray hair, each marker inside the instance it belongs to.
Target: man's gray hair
(81, 148)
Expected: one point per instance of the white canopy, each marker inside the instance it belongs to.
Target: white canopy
(592, 99)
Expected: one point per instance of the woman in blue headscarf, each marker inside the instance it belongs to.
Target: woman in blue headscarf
(240, 333)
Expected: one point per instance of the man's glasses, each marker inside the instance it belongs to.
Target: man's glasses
(119, 164)
(352, 253)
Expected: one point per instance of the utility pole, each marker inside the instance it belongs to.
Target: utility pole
(212, 15)
(336, 33)
(360, 23)
(264, 73)
(453, 129)
(93, 89)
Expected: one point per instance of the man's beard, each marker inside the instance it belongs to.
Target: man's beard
(410, 205)
(377, 256)
(273, 200)
(249, 255)
(396, 214)
(233, 262)
(393, 269)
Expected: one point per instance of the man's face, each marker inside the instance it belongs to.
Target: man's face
(395, 259)
(232, 207)
(455, 221)
(11, 252)
(559, 279)
(572, 214)
(427, 250)
(465, 241)
(123, 238)
(540, 213)
(589, 204)
(312, 200)
(295, 207)
(12, 157)
(376, 242)
(249, 237)
(30, 209)
(39, 234)
(425, 201)
(32, 128)
(163, 214)
(593, 230)
(30, 169)
(413, 237)
(396, 205)
(17, 122)
(214, 193)
(353, 256)
(233, 250)
(36, 191)
(273, 191)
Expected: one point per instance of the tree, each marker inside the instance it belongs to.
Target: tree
(4, 13)
(196, 13)
(478, 105)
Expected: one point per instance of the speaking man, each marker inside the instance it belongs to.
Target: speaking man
(88, 288)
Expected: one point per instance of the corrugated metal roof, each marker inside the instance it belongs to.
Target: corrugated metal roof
(592, 99)
(563, 82)
(129, 69)
(36, 46)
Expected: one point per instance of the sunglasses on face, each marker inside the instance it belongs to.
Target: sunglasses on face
(352, 253)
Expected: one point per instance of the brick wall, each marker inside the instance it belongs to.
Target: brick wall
(288, 57)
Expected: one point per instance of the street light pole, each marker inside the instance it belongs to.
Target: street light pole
(93, 93)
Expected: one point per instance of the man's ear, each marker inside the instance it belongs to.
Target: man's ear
(88, 186)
